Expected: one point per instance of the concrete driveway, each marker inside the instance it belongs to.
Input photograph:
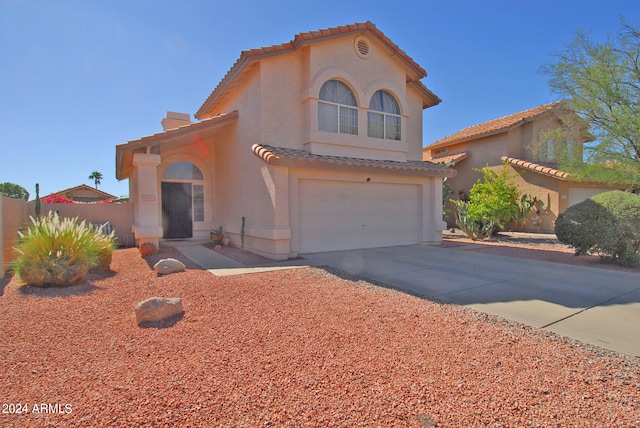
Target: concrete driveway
(597, 306)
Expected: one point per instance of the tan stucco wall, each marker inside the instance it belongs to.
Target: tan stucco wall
(485, 151)
(119, 215)
(13, 215)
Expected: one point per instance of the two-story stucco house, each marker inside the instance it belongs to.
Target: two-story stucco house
(523, 141)
(316, 143)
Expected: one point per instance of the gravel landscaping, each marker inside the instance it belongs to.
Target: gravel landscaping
(303, 347)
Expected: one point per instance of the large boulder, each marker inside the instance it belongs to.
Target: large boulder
(167, 266)
(157, 309)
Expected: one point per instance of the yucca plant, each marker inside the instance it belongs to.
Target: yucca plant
(58, 251)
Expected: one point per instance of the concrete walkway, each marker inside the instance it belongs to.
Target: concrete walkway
(597, 306)
(220, 265)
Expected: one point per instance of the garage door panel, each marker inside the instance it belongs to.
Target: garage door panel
(346, 215)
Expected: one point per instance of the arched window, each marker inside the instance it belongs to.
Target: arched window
(337, 108)
(384, 117)
(183, 171)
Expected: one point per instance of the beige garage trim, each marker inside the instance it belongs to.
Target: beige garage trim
(339, 215)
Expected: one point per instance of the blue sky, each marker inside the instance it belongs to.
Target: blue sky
(79, 77)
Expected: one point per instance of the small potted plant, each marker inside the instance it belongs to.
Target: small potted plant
(217, 236)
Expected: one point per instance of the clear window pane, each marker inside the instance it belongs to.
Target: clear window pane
(393, 127)
(183, 171)
(348, 120)
(198, 202)
(550, 150)
(375, 128)
(335, 108)
(327, 117)
(388, 123)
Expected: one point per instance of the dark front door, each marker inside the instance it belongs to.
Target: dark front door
(176, 210)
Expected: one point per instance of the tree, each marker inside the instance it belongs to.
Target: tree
(96, 176)
(600, 82)
(14, 191)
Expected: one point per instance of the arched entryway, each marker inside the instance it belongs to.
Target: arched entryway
(182, 199)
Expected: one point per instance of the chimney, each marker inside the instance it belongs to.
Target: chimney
(174, 120)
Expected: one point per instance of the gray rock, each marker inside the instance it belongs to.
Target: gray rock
(167, 266)
(157, 309)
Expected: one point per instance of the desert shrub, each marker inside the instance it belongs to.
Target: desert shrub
(493, 201)
(607, 224)
(103, 245)
(474, 229)
(495, 198)
(56, 251)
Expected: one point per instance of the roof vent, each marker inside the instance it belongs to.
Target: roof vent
(363, 49)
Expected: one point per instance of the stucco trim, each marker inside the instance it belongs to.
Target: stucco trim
(294, 157)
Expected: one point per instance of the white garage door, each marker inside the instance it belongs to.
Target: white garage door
(345, 215)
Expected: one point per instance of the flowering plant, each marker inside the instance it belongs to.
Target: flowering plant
(57, 199)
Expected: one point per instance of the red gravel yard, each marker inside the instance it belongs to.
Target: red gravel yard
(301, 347)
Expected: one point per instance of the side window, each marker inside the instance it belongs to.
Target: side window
(384, 117)
(337, 109)
(549, 150)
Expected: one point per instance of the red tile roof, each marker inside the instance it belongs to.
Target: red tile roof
(494, 126)
(305, 38)
(444, 159)
(536, 167)
(295, 157)
(99, 194)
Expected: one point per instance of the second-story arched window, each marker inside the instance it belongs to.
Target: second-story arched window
(337, 108)
(384, 117)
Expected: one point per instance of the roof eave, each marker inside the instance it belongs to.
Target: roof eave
(540, 169)
(273, 159)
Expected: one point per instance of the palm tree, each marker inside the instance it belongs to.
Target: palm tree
(96, 176)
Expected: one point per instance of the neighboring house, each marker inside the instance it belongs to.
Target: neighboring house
(313, 145)
(81, 193)
(522, 141)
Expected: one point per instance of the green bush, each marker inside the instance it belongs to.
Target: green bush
(493, 201)
(608, 224)
(58, 251)
(495, 198)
